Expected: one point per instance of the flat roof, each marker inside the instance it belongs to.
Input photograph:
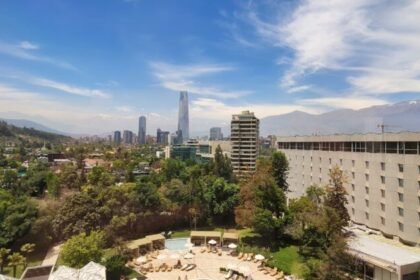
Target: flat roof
(206, 234)
(388, 136)
(138, 242)
(155, 237)
(397, 255)
(230, 235)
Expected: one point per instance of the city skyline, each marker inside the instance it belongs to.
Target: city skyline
(93, 67)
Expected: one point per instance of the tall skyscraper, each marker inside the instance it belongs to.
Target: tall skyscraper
(183, 117)
(117, 137)
(142, 130)
(162, 137)
(216, 133)
(244, 138)
(128, 137)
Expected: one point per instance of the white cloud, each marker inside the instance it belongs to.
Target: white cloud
(347, 102)
(124, 109)
(183, 77)
(28, 45)
(377, 40)
(25, 50)
(69, 88)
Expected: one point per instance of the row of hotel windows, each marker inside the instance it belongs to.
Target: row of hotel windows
(383, 221)
(407, 147)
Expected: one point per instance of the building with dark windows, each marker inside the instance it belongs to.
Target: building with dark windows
(183, 116)
(117, 137)
(128, 137)
(142, 130)
(162, 137)
(244, 137)
(216, 133)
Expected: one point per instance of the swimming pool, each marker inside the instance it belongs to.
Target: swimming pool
(176, 244)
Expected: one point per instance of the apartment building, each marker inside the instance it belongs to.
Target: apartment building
(383, 174)
(244, 138)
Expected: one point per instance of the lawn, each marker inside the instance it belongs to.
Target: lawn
(288, 260)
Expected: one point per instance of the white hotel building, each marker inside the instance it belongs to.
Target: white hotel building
(383, 174)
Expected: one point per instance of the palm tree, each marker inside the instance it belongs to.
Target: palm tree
(26, 249)
(3, 254)
(16, 259)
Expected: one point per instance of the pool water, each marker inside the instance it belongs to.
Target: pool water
(176, 244)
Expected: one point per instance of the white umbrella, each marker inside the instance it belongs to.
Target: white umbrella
(189, 245)
(231, 266)
(188, 256)
(212, 242)
(141, 259)
(232, 246)
(175, 256)
(259, 257)
(244, 269)
(161, 257)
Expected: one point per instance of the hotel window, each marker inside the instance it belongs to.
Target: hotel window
(352, 187)
(352, 198)
(401, 167)
(320, 159)
(367, 190)
(382, 193)
(352, 163)
(353, 175)
(419, 169)
(401, 197)
(320, 170)
(352, 211)
(383, 179)
(383, 166)
(400, 226)
(383, 220)
(383, 206)
(401, 211)
(367, 177)
(367, 202)
(329, 160)
(341, 163)
(400, 182)
(367, 164)
(367, 215)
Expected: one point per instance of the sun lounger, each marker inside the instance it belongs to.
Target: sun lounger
(190, 267)
(235, 277)
(241, 255)
(184, 266)
(169, 269)
(229, 274)
(203, 250)
(267, 270)
(250, 257)
(245, 256)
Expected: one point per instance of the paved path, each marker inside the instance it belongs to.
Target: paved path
(52, 255)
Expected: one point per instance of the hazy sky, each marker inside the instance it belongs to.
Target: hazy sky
(95, 66)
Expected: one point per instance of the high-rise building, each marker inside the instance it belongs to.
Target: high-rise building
(162, 137)
(216, 133)
(383, 176)
(128, 137)
(142, 130)
(244, 138)
(183, 117)
(117, 137)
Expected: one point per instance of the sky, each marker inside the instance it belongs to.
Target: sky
(96, 66)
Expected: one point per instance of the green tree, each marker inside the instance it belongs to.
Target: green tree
(53, 184)
(115, 267)
(280, 170)
(10, 180)
(82, 248)
(15, 260)
(4, 252)
(26, 249)
(222, 165)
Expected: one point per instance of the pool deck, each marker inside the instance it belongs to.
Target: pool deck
(208, 265)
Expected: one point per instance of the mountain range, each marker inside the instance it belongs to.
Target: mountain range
(403, 116)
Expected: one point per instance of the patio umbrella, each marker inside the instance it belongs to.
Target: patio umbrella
(259, 257)
(188, 256)
(175, 256)
(141, 259)
(189, 245)
(161, 257)
(232, 246)
(244, 269)
(212, 242)
(231, 266)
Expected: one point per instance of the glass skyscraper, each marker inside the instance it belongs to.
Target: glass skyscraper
(183, 117)
(142, 130)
